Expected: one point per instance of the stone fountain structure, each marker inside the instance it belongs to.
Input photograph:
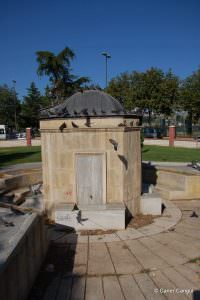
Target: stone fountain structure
(91, 154)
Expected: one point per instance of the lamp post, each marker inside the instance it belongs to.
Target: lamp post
(15, 103)
(106, 58)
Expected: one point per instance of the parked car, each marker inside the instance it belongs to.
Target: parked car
(150, 132)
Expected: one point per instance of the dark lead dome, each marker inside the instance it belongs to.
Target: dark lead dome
(87, 103)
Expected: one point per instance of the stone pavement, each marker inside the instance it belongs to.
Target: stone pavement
(161, 261)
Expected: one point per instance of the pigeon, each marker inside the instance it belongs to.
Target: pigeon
(194, 215)
(123, 160)
(74, 125)
(6, 223)
(75, 207)
(121, 125)
(62, 126)
(88, 123)
(35, 188)
(114, 143)
(79, 219)
(131, 123)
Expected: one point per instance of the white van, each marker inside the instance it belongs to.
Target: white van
(2, 132)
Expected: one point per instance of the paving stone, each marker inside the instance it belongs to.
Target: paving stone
(174, 213)
(130, 288)
(180, 281)
(80, 261)
(165, 286)
(94, 288)
(78, 288)
(145, 256)
(123, 260)
(52, 289)
(188, 226)
(193, 266)
(170, 256)
(150, 230)
(104, 238)
(188, 231)
(99, 261)
(148, 287)
(64, 291)
(112, 289)
(189, 274)
(186, 249)
(175, 236)
(129, 234)
(165, 223)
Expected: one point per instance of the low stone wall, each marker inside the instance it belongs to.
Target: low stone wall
(11, 181)
(177, 143)
(21, 255)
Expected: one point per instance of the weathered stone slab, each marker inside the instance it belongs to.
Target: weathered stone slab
(80, 260)
(51, 291)
(64, 291)
(180, 281)
(167, 254)
(112, 289)
(96, 218)
(78, 288)
(104, 238)
(165, 286)
(145, 256)
(94, 288)
(189, 274)
(99, 262)
(194, 266)
(148, 287)
(130, 288)
(129, 234)
(184, 247)
(150, 204)
(150, 230)
(123, 260)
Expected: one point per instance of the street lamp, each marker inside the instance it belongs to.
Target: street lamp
(106, 57)
(15, 103)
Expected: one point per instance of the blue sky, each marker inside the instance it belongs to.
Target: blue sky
(137, 33)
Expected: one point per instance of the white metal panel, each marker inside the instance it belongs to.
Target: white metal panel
(89, 179)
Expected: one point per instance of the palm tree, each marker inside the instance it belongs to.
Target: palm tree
(57, 68)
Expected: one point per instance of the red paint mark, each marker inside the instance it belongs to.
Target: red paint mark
(68, 193)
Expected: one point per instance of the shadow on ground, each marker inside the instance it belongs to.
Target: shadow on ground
(58, 266)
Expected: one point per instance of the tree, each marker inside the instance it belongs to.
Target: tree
(190, 98)
(31, 105)
(9, 107)
(152, 90)
(58, 69)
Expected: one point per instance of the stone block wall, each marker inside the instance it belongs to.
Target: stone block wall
(21, 259)
(59, 149)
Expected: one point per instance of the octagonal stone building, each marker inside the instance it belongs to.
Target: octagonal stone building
(91, 154)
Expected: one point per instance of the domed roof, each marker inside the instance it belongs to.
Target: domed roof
(87, 103)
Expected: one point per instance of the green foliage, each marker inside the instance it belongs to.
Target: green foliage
(30, 107)
(190, 95)
(58, 69)
(153, 90)
(9, 106)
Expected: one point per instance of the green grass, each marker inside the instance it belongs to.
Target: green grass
(161, 153)
(16, 155)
